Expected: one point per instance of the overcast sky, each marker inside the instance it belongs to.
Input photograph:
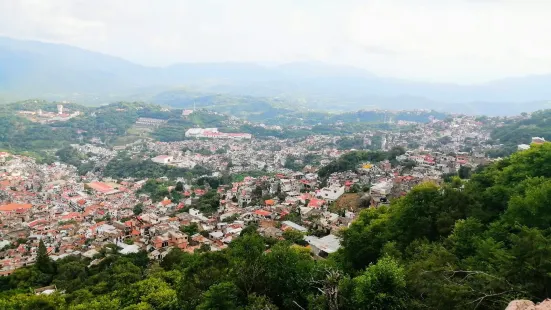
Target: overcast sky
(462, 41)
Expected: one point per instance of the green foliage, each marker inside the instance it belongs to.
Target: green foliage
(291, 163)
(351, 161)
(214, 182)
(256, 302)
(294, 236)
(521, 132)
(157, 191)
(138, 209)
(70, 155)
(347, 143)
(464, 172)
(122, 167)
(478, 246)
(18, 134)
(231, 218)
(43, 261)
(381, 286)
(190, 229)
(220, 296)
(176, 126)
(209, 202)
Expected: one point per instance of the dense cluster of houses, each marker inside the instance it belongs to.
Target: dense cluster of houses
(80, 215)
(46, 202)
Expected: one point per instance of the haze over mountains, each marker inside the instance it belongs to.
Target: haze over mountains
(37, 69)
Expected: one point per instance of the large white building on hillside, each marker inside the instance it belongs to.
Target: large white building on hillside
(330, 193)
(215, 134)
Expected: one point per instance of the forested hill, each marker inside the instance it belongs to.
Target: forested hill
(285, 111)
(538, 124)
(107, 123)
(115, 124)
(473, 244)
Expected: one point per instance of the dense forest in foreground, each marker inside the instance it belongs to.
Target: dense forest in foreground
(473, 244)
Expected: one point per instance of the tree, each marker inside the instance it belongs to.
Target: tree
(396, 151)
(31, 302)
(123, 273)
(355, 188)
(250, 229)
(176, 259)
(247, 267)
(103, 302)
(222, 296)
(464, 172)
(363, 240)
(190, 229)
(153, 291)
(138, 209)
(287, 272)
(179, 186)
(381, 286)
(409, 164)
(71, 276)
(257, 192)
(203, 248)
(209, 202)
(43, 261)
(294, 236)
(256, 302)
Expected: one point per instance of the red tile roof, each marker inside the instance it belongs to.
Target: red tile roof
(100, 187)
(262, 212)
(316, 203)
(15, 206)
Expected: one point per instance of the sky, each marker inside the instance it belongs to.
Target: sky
(461, 41)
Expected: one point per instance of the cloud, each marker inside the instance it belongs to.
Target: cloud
(437, 40)
(378, 50)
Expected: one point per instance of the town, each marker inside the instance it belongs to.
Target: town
(283, 188)
(265, 155)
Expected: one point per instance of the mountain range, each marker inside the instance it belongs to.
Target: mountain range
(55, 71)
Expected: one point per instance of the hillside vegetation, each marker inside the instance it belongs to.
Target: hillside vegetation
(107, 123)
(472, 245)
(519, 132)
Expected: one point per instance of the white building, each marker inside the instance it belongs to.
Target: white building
(323, 246)
(162, 159)
(381, 188)
(215, 134)
(523, 147)
(200, 132)
(294, 226)
(331, 193)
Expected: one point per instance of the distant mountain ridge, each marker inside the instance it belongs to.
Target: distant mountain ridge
(30, 68)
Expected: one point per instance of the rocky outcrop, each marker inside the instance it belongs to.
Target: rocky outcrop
(528, 305)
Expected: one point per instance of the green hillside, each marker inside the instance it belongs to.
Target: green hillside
(111, 124)
(522, 131)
